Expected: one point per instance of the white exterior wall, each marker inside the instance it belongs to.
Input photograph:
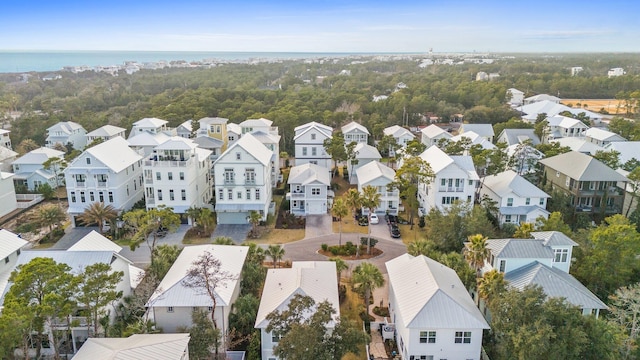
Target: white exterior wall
(434, 140)
(513, 264)
(320, 158)
(432, 195)
(566, 265)
(389, 200)
(517, 201)
(5, 141)
(169, 322)
(8, 201)
(355, 135)
(267, 345)
(404, 139)
(117, 183)
(305, 203)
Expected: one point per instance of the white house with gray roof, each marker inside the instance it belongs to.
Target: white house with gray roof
(475, 139)
(379, 176)
(579, 144)
(517, 199)
(364, 154)
(171, 305)
(316, 279)
(309, 190)
(146, 142)
(483, 130)
(150, 125)
(551, 109)
(432, 134)
(106, 132)
(602, 137)
(309, 144)
(518, 136)
(243, 181)
(400, 134)
(66, 132)
(354, 132)
(110, 173)
(29, 169)
(434, 315)
(541, 97)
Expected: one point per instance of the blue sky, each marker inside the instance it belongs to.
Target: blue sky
(322, 25)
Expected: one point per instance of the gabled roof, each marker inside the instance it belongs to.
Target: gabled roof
(480, 129)
(208, 142)
(323, 129)
(552, 109)
(213, 121)
(439, 160)
(177, 143)
(553, 238)
(579, 144)
(565, 122)
(106, 131)
(374, 170)
(509, 181)
(541, 97)
(93, 241)
(308, 174)
(628, 149)
(253, 146)
(10, 243)
(519, 249)
(515, 91)
(187, 125)
(150, 123)
(256, 123)
(365, 151)
(429, 295)
(6, 153)
(475, 138)
(555, 283)
(433, 130)
(38, 156)
(266, 138)
(603, 135)
(172, 292)
(114, 153)
(465, 162)
(518, 136)
(397, 131)
(316, 279)
(135, 347)
(147, 139)
(581, 167)
(66, 127)
(234, 128)
(354, 125)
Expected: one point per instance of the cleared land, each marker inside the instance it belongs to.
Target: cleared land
(612, 106)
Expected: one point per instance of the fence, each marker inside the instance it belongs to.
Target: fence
(28, 200)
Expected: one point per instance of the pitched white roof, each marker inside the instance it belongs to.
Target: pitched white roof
(603, 135)
(480, 129)
(6, 153)
(234, 128)
(365, 151)
(316, 279)
(436, 158)
(256, 122)
(253, 146)
(397, 131)
(579, 144)
(147, 139)
(114, 153)
(323, 129)
(541, 97)
(66, 127)
(553, 238)
(212, 120)
(475, 138)
(187, 125)
(520, 248)
(93, 241)
(172, 292)
(308, 174)
(429, 295)
(10, 243)
(150, 123)
(433, 130)
(582, 167)
(38, 156)
(374, 170)
(551, 109)
(135, 347)
(509, 181)
(266, 138)
(565, 122)
(517, 136)
(354, 125)
(106, 131)
(628, 149)
(177, 143)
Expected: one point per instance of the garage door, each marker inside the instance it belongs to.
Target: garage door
(232, 218)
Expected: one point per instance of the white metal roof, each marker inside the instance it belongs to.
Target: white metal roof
(177, 143)
(433, 130)
(374, 170)
(519, 248)
(475, 138)
(107, 130)
(135, 347)
(150, 123)
(628, 149)
(256, 123)
(38, 156)
(234, 128)
(430, 295)
(114, 153)
(147, 139)
(354, 125)
(308, 174)
(603, 135)
(565, 122)
(480, 129)
(397, 131)
(437, 159)
(93, 241)
(365, 151)
(509, 181)
(212, 121)
(66, 127)
(579, 144)
(252, 146)
(316, 279)
(553, 238)
(172, 292)
(10, 243)
(323, 129)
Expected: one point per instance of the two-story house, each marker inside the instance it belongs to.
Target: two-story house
(178, 175)
(215, 127)
(152, 126)
(400, 134)
(67, 132)
(455, 179)
(243, 181)
(29, 169)
(185, 130)
(364, 154)
(593, 186)
(309, 189)
(518, 136)
(484, 130)
(562, 126)
(354, 132)
(379, 176)
(517, 200)
(316, 279)
(110, 173)
(432, 134)
(5, 140)
(173, 302)
(602, 137)
(474, 139)
(434, 315)
(309, 144)
(106, 132)
(545, 261)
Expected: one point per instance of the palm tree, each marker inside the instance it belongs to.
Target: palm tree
(275, 252)
(367, 277)
(353, 200)
(193, 213)
(524, 230)
(98, 213)
(205, 219)
(476, 251)
(339, 210)
(422, 247)
(371, 200)
(341, 266)
(491, 285)
(50, 215)
(223, 240)
(254, 219)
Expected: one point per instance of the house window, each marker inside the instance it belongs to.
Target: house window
(158, 176)
(257, 194)
(101, 196)
(275, 337)
(509, 201)
(541, 201)
(507, 218)
(503, 265)
(183, 193)
(220, 194)
(229, 176)
(561, 255)
(239, 194)
(82, 198)
(313, 151)
(527, 201)
(313, 136)
(209, 308)
(443, 182)
(218, 129)
(238, 156)
(73, 196)
(304, 151)
(170, 309)
(463, 337)
(315, 191)
(427, 337)
(6, 260)
(170, 175)
(91, 196)
(249, 176)
(470, 182)
(160, 195)
(171, 197)
(248, 193)
(88, 161)
(229, 194)
(111, 196)
(181, 175)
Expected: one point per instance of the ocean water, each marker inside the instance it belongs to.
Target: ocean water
(42, 61)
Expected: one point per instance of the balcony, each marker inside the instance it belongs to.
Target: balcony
(229, 182)
(81, 184)
(148, 180)
(298, 195)
(167, 163)
(151, 201)
(451, 189)
(102, 184)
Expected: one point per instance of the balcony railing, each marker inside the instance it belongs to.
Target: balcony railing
(167, 163)
(298, 194)
(451, 189)
(151, 200)
(81, 183)
(229, 182)
(102, 184)
(148, 180)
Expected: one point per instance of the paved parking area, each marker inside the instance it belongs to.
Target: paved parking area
(237, 232)
(318, 225)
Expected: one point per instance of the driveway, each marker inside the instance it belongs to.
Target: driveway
(141, 256)
(318, 225)
(72, 235)
(237, 232)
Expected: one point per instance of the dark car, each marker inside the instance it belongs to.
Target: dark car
(394, 231)
(363, 221)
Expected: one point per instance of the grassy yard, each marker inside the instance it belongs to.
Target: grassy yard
(349, 226)
(278, 236)
(350, 309)
(408, 235)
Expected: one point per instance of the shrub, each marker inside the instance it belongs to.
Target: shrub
(421, 222)
(324, 247)
(381, 311)
(284, 205)
(279, 191)
(26, 227)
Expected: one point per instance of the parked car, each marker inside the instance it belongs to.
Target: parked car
(394, 231)
(363, 221)
(374, 219)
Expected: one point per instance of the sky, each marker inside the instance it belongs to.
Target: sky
(322, 25)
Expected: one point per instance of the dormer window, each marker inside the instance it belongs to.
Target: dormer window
(560, 255)
(88, 161)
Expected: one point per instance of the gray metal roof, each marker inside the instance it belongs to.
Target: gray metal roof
(517, 136)
(581, 167)
(508, 182)
(554, 238)
(480, 129)
(519, 248)
(520, 210)
(555, 283)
